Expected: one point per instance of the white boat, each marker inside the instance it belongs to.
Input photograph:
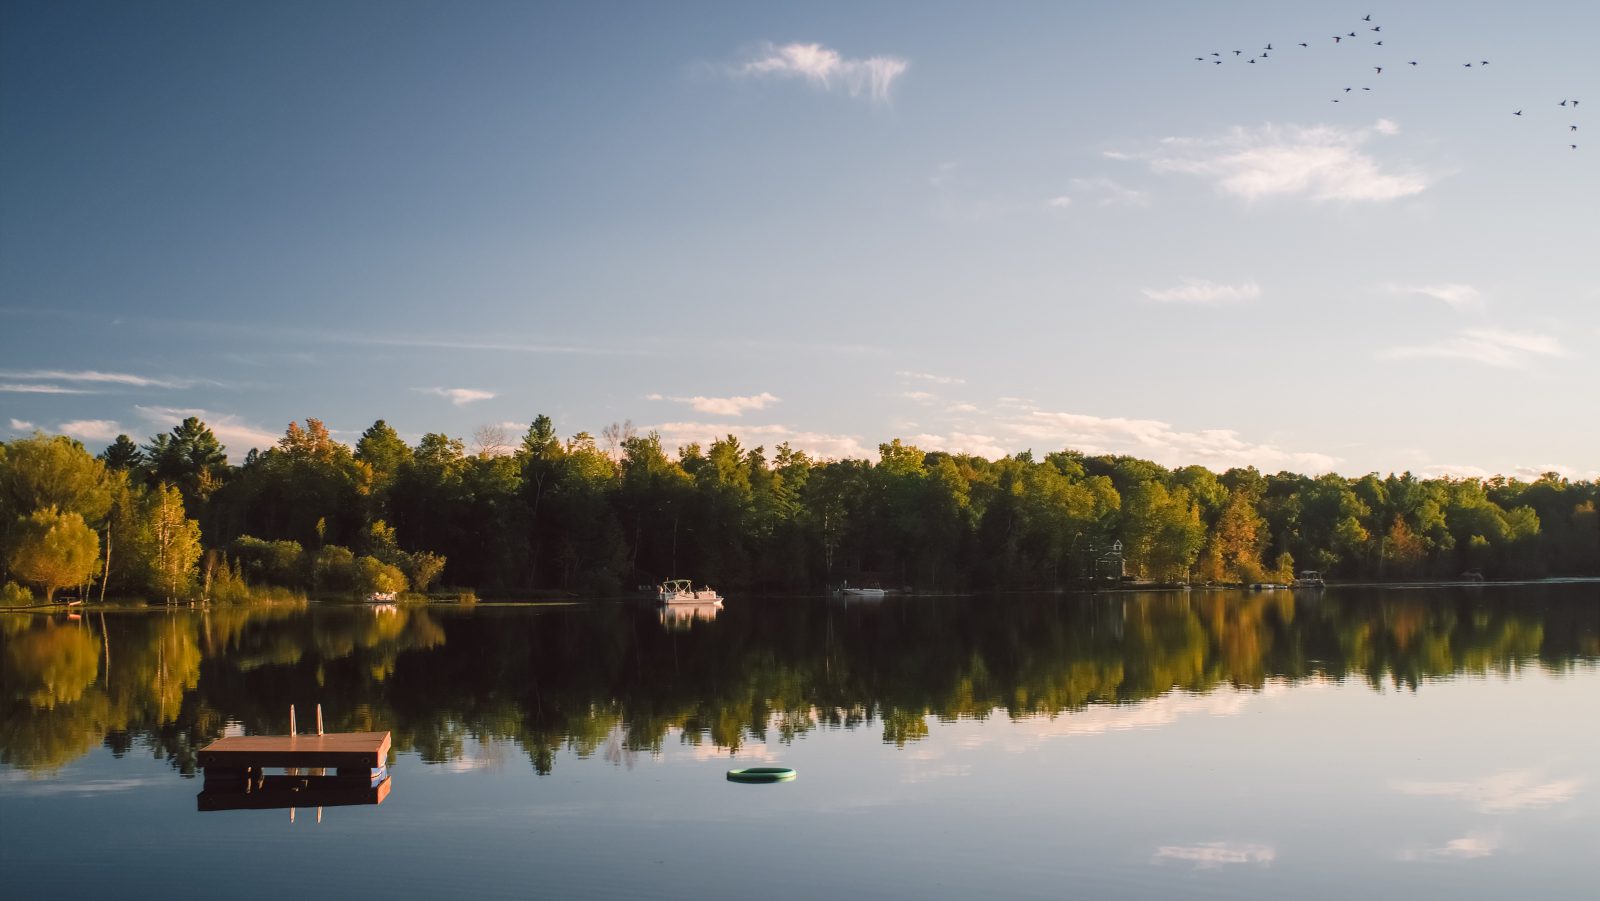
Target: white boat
(845, 591)
(682, 591)
(381, 597)
(1308, 578)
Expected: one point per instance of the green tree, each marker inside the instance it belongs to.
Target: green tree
(374, 575)
(54, 550)
(122, 454)
(168, 546)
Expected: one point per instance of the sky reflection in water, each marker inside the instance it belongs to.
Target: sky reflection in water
(1394, 743)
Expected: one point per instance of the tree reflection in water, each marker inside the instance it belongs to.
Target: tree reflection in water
(611, 677)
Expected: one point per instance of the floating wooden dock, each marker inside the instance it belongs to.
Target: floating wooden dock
(235, 781)
(363, 751)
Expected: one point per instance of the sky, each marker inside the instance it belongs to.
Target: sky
(978, 229)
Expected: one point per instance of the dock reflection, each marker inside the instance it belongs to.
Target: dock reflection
(292, 791)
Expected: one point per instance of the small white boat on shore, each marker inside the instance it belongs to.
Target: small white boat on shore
(682, 591)
(1308, 578)
(381, 597)
(846, 591)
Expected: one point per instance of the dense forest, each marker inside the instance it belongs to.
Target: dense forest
(174, 518)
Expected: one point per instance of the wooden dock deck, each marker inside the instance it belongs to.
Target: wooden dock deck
(337, 750)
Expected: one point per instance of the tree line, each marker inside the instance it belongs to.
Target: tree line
(174, 518)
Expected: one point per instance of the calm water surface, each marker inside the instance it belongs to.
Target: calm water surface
(1396, 743)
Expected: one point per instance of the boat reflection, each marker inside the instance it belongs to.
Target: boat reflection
(684, 616)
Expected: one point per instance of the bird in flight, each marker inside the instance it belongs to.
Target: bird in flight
(1377, 43)
(1237, 52)
(1377, 28)
(1484, 63)
(1563, 103)
(1348, 90)
(1304, 44)
(1572, 128)
(1269, 47)
(1413, 62)
(1468, 65)
(1367, 17)
(1337, 38)
(1379, 69)
(1517, 113)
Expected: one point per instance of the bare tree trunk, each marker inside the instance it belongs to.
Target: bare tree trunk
(106, 575)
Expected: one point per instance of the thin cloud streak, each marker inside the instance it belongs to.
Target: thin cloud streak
(458, 396)
(1203, 292)
(1320, 163)
(1455, 295)
(723, 406)
(1500, 348)
(94, 376)
(1210, 855)
(23, 388)
(827, 68)
(930, 377)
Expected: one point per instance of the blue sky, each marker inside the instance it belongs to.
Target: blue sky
(977, 229)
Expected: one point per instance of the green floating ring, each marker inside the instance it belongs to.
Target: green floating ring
(761, 774)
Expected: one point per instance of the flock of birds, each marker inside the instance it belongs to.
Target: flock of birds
(1374, 33)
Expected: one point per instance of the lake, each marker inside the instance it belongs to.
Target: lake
(1380, 743)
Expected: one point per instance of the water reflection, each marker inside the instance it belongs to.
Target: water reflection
(610, 679)
(684, 616)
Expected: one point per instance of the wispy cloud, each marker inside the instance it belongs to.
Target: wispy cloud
(96, 377)
(819, 444)
(1210, 855)
(872, 77)
(21, 425)
(1161, 442)
(931, 377)
(1500, 348)
(1498, 793)
(90, 429)
(1320, 163)
(1201, 291)
(458, 396)
(1101, 191)
(960, 443)
(1455, 295)
(1468, 847)
(26, 388)
(921, 397)
(723, 406)
(235, 434)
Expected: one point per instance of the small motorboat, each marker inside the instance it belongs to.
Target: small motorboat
(682, 591)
